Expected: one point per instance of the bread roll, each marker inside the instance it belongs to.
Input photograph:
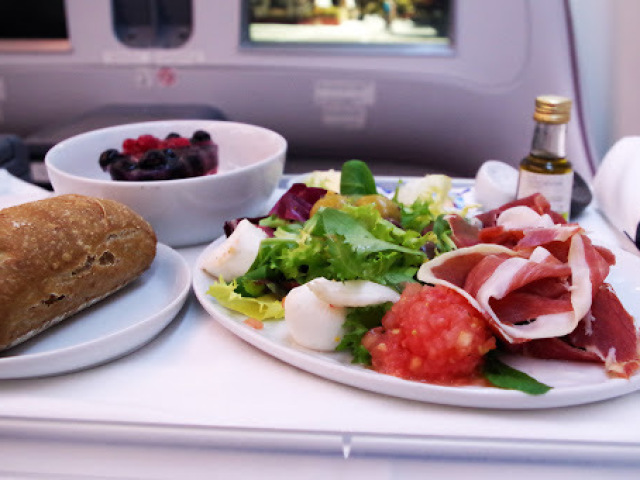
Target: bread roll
(62, 254)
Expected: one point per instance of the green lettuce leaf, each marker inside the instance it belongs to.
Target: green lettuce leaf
(356, 243)
(364, 235)
(261, 308)
(421, 215)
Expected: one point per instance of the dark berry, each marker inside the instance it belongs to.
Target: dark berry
(194, 161)
(176, 168)
(153, 159)
(172, 135)
(170, 155)
(108, 157)
(122, 168)
(200, 136)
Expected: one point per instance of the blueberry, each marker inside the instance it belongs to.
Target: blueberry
(178, 170)
(170, 155)
(172, 135)
(194, 161)
(122, 168)
(153, 160)
(108, 157)
(200, 136)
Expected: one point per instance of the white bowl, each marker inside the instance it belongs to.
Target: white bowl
(186, 211)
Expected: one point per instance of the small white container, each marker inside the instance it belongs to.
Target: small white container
(186, 211)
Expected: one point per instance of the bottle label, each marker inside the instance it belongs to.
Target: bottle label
(555, 187)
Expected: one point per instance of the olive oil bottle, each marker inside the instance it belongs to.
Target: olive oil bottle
(546, 169)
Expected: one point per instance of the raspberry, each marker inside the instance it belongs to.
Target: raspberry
(147, 142)
(177, 142)
(129, 146)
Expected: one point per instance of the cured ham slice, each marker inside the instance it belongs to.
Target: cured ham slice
(521, 217)
(553, 349)
(535, 237)
(540, 282)
(536, 202)
(526, 295)
(521, 228)
(495, 279)
(607, 334)
(463, 233)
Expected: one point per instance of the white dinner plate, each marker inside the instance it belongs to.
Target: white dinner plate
(111, 328)
(573, 383)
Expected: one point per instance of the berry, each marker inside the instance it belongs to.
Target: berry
(108, 157)
(177, 142)
(147, 142)
(200, 136)
(122, 168)
(194, 161)
(129, 146)
(153, 159)
(150, 158)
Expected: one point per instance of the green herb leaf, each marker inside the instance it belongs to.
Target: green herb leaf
(503, 376)
(357, 179)
(358, 322)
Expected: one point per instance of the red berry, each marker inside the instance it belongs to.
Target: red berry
(129, 146)
(147, 142)
(177, 142)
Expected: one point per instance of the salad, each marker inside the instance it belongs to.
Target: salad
(413, 285)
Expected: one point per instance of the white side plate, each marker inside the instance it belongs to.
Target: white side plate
(117, 325)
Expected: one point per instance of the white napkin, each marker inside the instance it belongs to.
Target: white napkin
(14, 191)
(616, 187)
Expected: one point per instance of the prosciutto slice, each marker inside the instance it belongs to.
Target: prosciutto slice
(463, 233)
(528, 291)
(540, 283)
(521, 227)
(524, 298)
(607, 334)
(537, 202)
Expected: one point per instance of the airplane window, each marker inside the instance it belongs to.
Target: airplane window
(152, 23)
(33, 20)
(351, 22)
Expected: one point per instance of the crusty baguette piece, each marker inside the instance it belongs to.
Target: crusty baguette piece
(62, 254)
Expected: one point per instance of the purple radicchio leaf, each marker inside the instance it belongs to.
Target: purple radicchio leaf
(296, 203)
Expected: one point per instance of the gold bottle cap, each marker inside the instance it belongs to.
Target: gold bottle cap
(552, 109)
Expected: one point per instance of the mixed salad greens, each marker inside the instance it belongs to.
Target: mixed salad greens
(352, 234)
